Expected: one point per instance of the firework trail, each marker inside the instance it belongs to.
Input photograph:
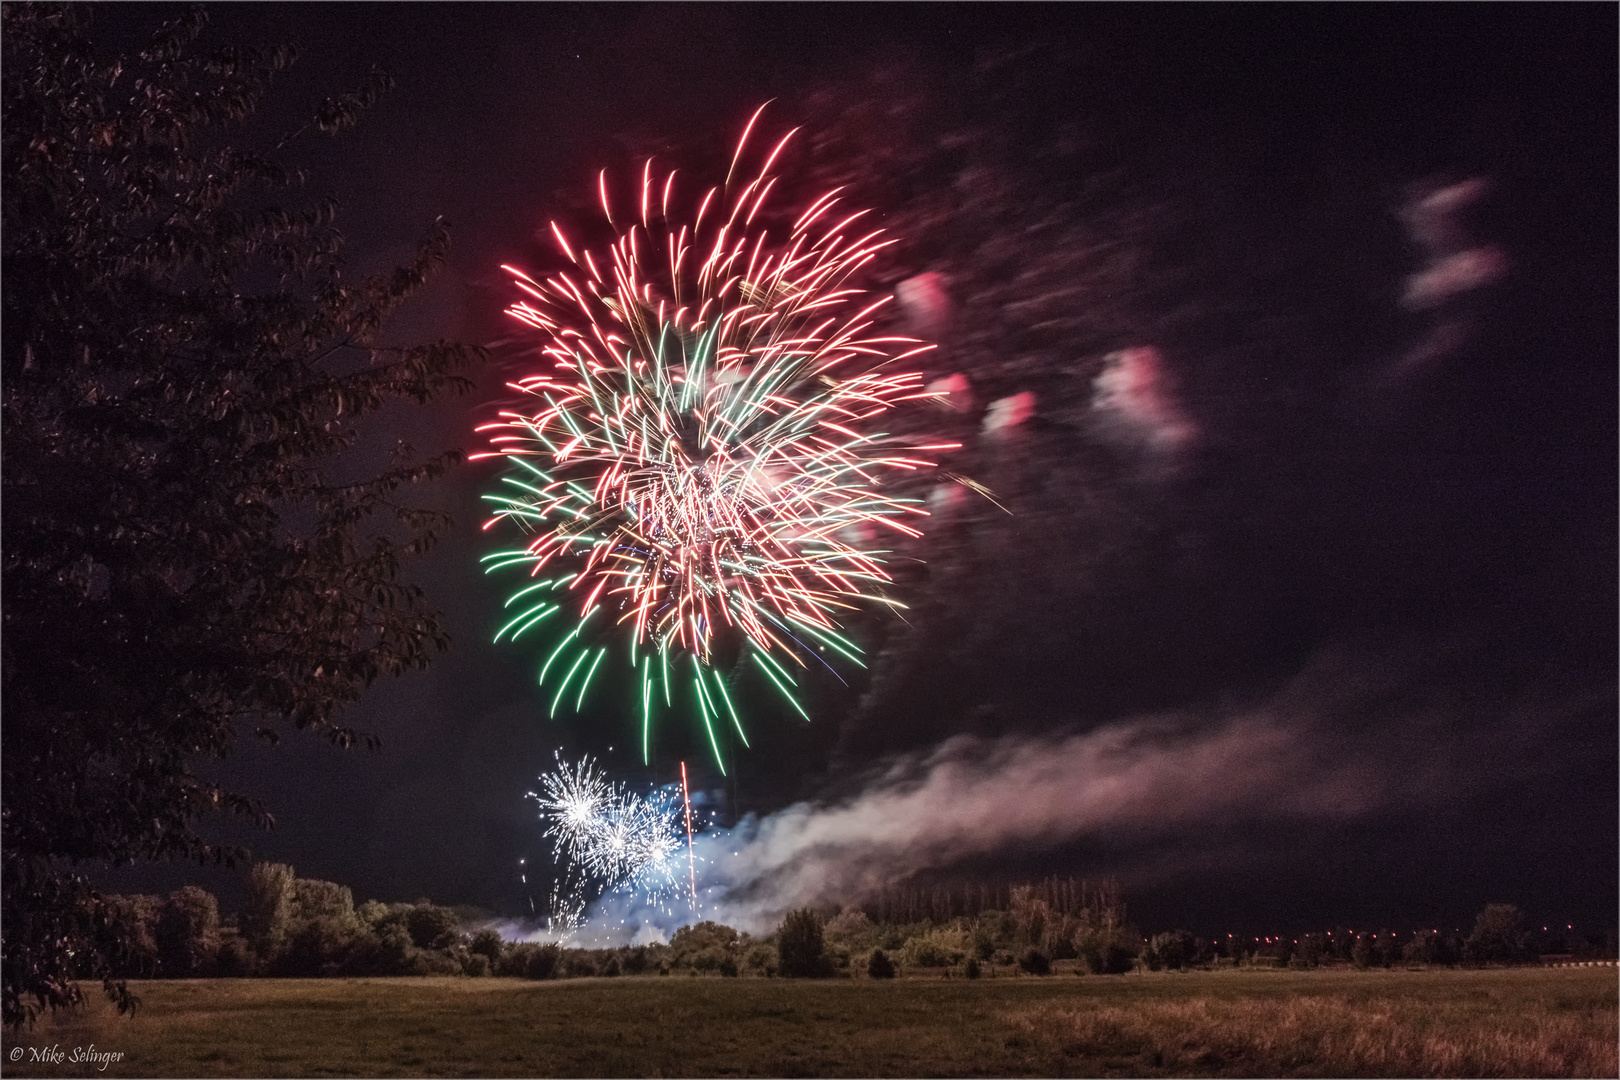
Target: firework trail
(702, 471)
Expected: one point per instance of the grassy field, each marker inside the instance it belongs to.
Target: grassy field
(1523, 1022)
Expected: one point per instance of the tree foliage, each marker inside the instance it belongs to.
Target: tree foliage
(800, 945)
(187, 550)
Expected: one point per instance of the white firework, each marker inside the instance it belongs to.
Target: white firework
(624, 841)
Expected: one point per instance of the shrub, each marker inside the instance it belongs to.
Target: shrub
(475, 965)
(761, 958)
(267, 915)
(127, 940)
(431, 962)
(235, 958)
(1107, 952)
(852, 930)
(388, 951)
(972, 969)
(1000, 927)
(704, 935)
(488, 944)
(728, 967)
(431, 927)
(514, 961)
(1036, 962)
(635, 960)
(543, 961)
(579, 965)
(1428, 949)
(187, 931)
(317, 947)
(941, 947)
(880, 966)
(315, 899)
(611, 968)
(1499, 937)
(1172, 949)
(705, 960)
(799, 945)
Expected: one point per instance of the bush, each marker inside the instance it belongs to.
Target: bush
(187, 932)
(705, 960)
(705, 935)
(543, 962)
(1172, 949)
(941, 947)
(850, 928)
(635, 960)
(579, 965)
(235, 959)
(1499, 937)
(318, 947)
(1429, 949)
(431, 962)
(762, 959)
(972, 969)
(475, 965)
(432, 927)
(611, 968)
(315, 899)
(728, 967)
(127, 940)
(1036, 962)
(388, 951)
(488, 944)
(267, 916)
(799, 946)
(880, 966)
(1107, 957)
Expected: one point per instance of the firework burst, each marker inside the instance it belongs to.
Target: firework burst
(606, 834)
(702, 473)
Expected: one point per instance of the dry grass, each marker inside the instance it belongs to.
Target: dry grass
(1244, 1023)
(1376, 1033)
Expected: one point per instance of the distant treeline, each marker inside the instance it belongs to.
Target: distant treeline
(300, 927)
(942, 903)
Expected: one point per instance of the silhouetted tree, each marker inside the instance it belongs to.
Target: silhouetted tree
(182, 357)
(268, 912)
(188, 932)
(799, 946)
(1499, 936)
(488, 944)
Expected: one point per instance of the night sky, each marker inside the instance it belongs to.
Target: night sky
(1350, 620)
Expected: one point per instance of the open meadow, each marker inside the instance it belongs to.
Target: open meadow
(1501, 1022)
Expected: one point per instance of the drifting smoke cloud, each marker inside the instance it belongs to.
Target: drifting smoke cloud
(1346, 740)
(1134, 401)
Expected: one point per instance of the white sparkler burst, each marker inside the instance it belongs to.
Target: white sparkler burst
(625, 841)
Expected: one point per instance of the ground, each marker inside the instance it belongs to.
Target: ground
(1513, 1022)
